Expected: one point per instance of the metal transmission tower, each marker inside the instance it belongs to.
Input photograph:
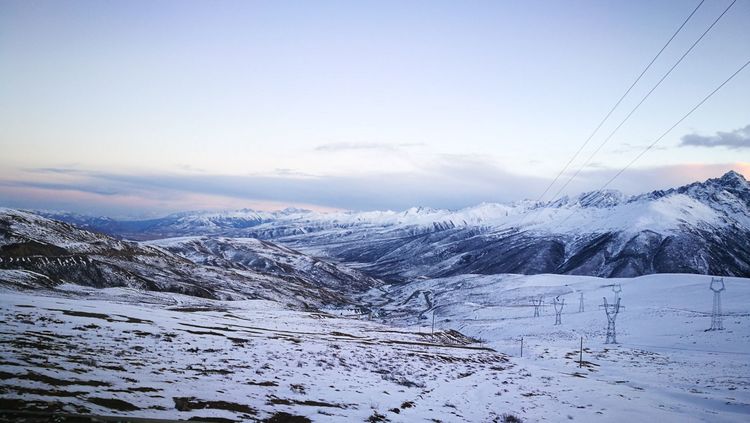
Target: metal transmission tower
(612, 310)
(580, 303)
(558, 309)
(717, 320)
(536, 304)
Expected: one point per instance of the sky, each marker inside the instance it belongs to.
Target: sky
(140, 108)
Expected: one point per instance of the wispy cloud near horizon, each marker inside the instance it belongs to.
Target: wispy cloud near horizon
(737, 139)
(354, 146)
(452, 183)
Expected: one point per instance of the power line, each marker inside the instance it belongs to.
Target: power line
(650, 146)
(620, 100)
(637, 106)
(606, 117)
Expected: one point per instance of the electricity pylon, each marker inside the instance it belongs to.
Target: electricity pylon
(717, 320)
(558, 303)
(617, 289)
(612, 310)
(536, 304)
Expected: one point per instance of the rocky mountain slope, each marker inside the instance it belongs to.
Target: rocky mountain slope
(698, 228)
(263, 256)
(40, 252)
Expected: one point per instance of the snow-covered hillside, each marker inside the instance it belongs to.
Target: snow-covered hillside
(118, 351)
(52, 252)
(667, 309)
(264, 256)
(664, 352)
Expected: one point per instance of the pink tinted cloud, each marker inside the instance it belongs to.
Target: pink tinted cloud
(127, 205)
(130, 195)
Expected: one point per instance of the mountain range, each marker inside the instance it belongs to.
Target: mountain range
(702, 228)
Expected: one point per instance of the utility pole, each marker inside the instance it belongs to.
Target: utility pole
(717, 320)
(580, 355)
(580, 303)
(433, 321)
(522, 346)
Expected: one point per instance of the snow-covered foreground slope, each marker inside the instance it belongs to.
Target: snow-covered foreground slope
(665, 352)
(128, 352)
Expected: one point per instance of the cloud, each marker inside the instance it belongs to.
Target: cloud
(283, 171)
(646, 179)
(737, 139)
(627, 147)
(352, 146)
(452, 182)
(54, 186)
(190, 168)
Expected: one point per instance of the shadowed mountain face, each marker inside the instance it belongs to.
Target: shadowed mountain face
(40, 252)
(249, 254)
(698, 228)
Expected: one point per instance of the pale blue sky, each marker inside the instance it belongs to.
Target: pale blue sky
(279, 99)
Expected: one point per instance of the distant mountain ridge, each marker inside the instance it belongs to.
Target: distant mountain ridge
(702, 227)
(37, 252)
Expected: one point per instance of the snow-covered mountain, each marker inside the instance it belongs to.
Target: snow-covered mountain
(698, 228)
(39, 252)
(148, 345)
(174, 225)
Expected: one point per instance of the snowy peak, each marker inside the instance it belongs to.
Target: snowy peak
(733, 179)
(420, 210)
(605, 198)
(735, 184)
(728, 196)
(595, 199)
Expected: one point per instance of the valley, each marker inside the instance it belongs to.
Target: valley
(421, 315)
